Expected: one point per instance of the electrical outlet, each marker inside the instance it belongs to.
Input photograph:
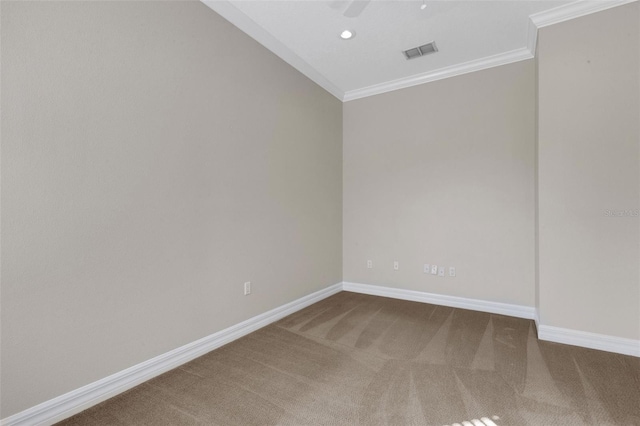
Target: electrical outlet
(247, 288)
(369, 264)
(396, 265)
(434, 269)
(441, 271)
(427, 268)
(452, 271)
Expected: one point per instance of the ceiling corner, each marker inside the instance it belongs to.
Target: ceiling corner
(229, 12)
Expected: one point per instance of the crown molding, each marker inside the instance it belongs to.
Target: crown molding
(232, 14)
(536, 21)
(574, 10)
(439, 74)
(565, 13)
(532, 37)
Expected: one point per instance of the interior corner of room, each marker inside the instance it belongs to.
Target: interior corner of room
(169, 184)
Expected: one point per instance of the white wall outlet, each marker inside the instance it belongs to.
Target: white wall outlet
(434, 269)
(441, 271)
(396, 265)
(247, 288)
(452, 271)
(369, 264)
(427, 268)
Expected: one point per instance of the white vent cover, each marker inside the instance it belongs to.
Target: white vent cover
(423, 50)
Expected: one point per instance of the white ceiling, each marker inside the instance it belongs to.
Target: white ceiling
(470, 35)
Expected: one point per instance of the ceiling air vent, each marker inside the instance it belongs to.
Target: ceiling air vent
(425, 49)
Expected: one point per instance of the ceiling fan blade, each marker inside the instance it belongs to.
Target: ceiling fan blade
(355, 8)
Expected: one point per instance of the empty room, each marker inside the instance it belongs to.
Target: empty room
(306, 212)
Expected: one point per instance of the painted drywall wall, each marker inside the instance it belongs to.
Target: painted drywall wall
(154, 158)
(536, 216)
(443, 174)
(589, 173)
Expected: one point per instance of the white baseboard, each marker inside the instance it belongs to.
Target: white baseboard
(518, 311)
(545, 332)
(585, 339)
(73, 402)
(536, 318)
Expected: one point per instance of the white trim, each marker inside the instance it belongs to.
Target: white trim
(545, 332)
(532, 37)
(585, 339)
(64, 406)
(73, 402)
(439, 74)
(573, 10)
(536, 21)
(232, 14)
(518, 311)
(564, 13)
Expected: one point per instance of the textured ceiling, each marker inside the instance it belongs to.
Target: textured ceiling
(470, 35)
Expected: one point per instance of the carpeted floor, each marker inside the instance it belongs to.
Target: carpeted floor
(354, 359)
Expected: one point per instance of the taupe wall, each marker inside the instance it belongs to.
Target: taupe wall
(589, 114)
(444, 173)
(153, 159)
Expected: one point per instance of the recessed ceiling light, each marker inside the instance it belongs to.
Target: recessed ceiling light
(347, 34)
(423, 6)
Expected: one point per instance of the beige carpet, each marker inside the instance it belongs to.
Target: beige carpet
(355, 359)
